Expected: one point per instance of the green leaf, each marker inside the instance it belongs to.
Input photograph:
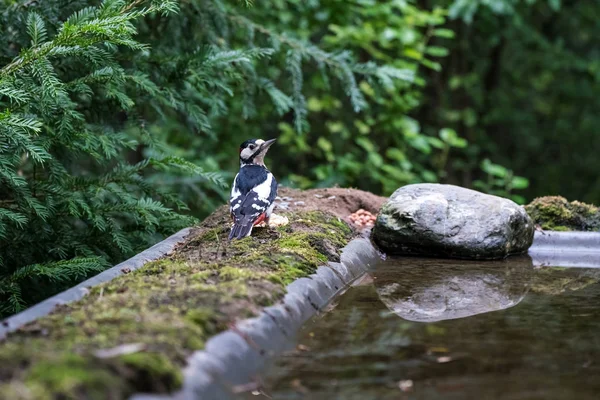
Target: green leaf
(14, 94)
(555, 4)
(451, 138)
(429, 176)
(431, 65)
(395, 154)
(460, 143)
(17, 218)
(421, 143)
(362, 127)
(375, 159)
(36, 28)
(436, 51)
(448, 135)
(396, 173)
(518, 182)
(493, 169)
(443, 33)
(294, 66)
(365, 143)
(435, 142)
(412, 53)
(282, 102)
(324, 144)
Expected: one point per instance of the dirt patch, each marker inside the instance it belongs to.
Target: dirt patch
(337, 201)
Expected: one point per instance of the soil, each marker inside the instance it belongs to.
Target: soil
(337, 201)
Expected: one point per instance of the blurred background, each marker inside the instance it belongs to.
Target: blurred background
(120, 120)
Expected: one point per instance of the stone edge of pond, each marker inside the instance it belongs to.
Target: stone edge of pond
(77, 292)
(231, 359)
(570, 241)
(566, 249)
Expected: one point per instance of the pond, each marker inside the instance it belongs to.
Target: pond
(441, 329)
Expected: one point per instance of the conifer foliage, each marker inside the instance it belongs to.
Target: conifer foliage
(90, 95)
(69, 203)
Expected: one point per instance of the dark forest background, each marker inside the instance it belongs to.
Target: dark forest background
(120, 120)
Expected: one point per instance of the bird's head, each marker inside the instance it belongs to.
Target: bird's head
(253, 151)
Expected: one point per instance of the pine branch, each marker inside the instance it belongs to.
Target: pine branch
(86, 29)
(341, 64)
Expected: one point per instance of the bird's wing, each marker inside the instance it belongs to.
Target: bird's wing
(235, 192)
(255, 202)
(273, 192)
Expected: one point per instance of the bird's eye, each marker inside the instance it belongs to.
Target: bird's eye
(252, 147)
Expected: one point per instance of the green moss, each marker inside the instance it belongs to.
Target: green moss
(165, 266)
(558, 214)
(72, 377)
(310, 240)
(153, 372)
(232, 273)
(170, 306)
(204, 318)
(201, 276)
(20, 391)
(244, 245)
(302, 245)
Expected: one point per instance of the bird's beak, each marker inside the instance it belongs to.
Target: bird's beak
(265, 146)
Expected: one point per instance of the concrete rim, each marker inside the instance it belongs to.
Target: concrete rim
(75, 293)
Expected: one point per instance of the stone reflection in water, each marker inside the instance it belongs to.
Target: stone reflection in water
(543, 346)
(429, 290)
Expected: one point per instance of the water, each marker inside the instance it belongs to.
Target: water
(441, 329)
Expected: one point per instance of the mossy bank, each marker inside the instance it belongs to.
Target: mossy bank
(134, 333)
(558, 214)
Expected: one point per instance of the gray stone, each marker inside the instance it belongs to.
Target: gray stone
(450, 221)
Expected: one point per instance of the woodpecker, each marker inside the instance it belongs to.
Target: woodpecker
(254, 189)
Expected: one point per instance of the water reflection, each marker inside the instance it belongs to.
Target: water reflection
(428, 290)
(501, 330)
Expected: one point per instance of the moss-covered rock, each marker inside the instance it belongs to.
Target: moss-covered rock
(558, 214)
(167, 309)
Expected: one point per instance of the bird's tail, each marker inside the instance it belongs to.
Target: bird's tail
(241, 229)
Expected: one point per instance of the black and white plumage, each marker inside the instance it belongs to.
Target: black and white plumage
(254, 189)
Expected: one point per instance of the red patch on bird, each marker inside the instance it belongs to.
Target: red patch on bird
(260, 219)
